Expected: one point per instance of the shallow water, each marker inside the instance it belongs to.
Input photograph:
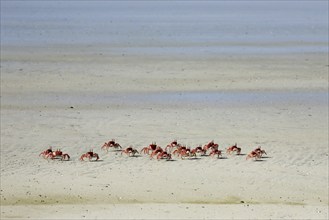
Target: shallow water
(231, 98)
(169, 27)
(180, 99)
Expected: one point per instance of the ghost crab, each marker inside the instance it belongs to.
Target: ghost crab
(253, 155)
(256, 154)
(130, 151)
(233, 148)
(216, 152)
(260, 152)
(111, 143)
(210, 146)
(185, 152)
(46, 152)
(89, 155)
(199, 150)
(172, 145)
(152, 147)
(164, 155)
(57, 154)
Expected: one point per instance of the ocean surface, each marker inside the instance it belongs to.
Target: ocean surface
(169, 27)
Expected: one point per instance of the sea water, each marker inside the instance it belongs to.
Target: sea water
(202, 28)
(184, 28)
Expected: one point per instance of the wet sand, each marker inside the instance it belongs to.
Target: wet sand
(77, 99)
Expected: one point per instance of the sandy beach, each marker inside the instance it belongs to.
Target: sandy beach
(142, 86)
(76, 106)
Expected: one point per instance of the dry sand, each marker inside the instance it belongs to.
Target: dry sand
(76, 99)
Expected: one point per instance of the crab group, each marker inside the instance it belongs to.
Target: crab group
(154, 151)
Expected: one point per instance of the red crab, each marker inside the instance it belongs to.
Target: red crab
(185, 152)
(216, 152)
(130, 151)
(178, 150)
(156, 151)
(46, 152)
(259, 151)
(233, 148)
(199, 149)
(254, 155)
(172, 145)
(151, 147)
(110, 144)
(210, 145)
(90, 155)
(164, 155)
(58, 154)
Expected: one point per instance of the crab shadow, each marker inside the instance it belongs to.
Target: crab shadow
(266, 157)
(194, 158)
(170, 160)
(96, 161)
(259, 160)
(136, 156)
